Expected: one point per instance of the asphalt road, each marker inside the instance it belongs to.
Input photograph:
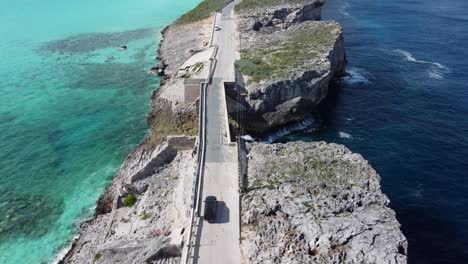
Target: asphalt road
(219, 242)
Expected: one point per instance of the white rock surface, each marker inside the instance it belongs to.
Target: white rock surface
(316, 203)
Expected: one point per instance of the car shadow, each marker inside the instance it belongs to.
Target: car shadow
(223, 214)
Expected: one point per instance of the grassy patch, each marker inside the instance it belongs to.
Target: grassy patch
(254, 66)
(251, 4)
(202, 11)
(97, 256)
(129, 200)
(159, 132)
(297, 51)
(168, 121)
(144, 215)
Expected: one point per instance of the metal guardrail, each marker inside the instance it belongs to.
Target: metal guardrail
(198, 173)
(196, 192)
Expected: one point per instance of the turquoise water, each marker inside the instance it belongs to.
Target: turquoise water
(72, 105)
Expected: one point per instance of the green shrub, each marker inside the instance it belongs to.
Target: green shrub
(250, 4)
(202, 11)
(144, 215)
(296, 51)
(129, 200)
(97, 256)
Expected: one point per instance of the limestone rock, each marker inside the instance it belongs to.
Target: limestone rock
(287, 62)
(316, 203)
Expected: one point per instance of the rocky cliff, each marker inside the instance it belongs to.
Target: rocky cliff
(306, 202)
(142, 215)
(316, 203)
(287, 61)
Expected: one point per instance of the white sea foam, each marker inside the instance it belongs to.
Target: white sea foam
(435, 74)
(63, 252)
(417, 191)
(343, 9)
(344, 135)
(355, 76)
(409, 57)
(270, 138)
(436, 70)
(248, 138)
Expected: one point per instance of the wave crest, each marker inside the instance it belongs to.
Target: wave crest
(356, 76)
(436, 70)
(344, 135)
(409, 57)
(301, 125)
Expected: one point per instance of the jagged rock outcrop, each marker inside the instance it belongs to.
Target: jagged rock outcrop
(169, 114)
(180, 42)
(151, 227)
(142, 215)
(286, 68)
(316, 203)
(306, 202)
(169, 117)
(276, 14)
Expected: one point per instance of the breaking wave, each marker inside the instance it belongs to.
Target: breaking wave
(344, 135)
(436, 70)
(301, 125)
(356, 76)
(343, 9)
(409, 57)
(434, 74)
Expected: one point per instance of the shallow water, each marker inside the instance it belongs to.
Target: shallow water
(405, 109)
(72, 105)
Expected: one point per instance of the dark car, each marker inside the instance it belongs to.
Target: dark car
(210, 209)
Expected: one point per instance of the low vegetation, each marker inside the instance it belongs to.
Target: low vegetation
(97, 256)
(168, 119)
(129, 200)
(250, 4)
(313, 168)
(144, 215)
(295, 52)
(202, 11)
(160, 131)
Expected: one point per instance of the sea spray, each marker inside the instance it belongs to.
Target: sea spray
(284, 131)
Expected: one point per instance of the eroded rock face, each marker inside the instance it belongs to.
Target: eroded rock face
(180, 43)
(157, 175)
(171, 118)
(151, 229)
(278, 14)
(286, 66)
(316, 203)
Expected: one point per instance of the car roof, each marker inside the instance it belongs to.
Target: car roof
(210, 198)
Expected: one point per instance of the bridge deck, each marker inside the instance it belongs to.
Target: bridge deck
(219, 242)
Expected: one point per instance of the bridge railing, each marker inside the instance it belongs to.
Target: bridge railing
(198, 177)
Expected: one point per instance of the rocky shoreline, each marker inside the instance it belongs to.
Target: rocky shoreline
(323, 204)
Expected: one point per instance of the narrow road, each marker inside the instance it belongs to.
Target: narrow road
(219, 242)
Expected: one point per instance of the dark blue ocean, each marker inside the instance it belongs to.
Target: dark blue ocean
(405, 109)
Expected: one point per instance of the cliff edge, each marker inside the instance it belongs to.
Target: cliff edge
(316, 203)
(305, 202)
(288, 60)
